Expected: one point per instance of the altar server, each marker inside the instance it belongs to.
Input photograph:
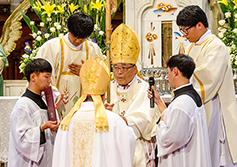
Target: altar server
(32, 134)
(90, 135)
(129, 95)
(182, 137)
(66, 55)
(213, 80)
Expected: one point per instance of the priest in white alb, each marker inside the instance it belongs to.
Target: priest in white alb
(90, 135)
(213, 80)
(66, 55)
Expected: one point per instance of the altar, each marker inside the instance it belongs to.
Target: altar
(6, 104)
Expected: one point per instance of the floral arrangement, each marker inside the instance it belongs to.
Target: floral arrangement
(54, 14)
(228, 28)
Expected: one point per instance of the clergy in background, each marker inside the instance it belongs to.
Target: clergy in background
(66, 55)
(90, 135)
(129, 94)
(213, 80)
(182, 137)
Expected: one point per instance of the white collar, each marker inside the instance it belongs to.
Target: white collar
(182, 86)
(207, 34)
(89, 105)
(70, 44)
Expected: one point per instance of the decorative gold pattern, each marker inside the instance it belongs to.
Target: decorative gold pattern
(90, 76)
(11, 30)
(95, 79)
(83, 135)
(164, 9)
(125, 45)
(150, 37)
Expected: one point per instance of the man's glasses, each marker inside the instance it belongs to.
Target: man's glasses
(123, 69)
(185, 30)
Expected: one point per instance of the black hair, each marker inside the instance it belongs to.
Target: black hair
(191, 15)
(184, 63)
(80, 25)
(89, 98)
(37, 66)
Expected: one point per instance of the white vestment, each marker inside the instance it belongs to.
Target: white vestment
(25, 149)
(182, 137)
(81, 146)
(213, 80)
(59, 53)
(134, 104)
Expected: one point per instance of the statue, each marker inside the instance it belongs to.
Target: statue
(10, 34)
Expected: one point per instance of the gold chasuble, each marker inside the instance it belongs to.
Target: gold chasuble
(212, 78)
(59, 53)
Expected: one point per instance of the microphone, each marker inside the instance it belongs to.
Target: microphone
(151, 83)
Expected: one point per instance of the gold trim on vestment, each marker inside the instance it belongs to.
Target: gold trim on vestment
(199, 81)
(67, 73)
(62, 62)
(61, 72)
(137, 127)
(201, 87)
(70, 47)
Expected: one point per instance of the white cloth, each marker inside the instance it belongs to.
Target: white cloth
(182, 137)
(134, 103)
(111, 149)
(213, 77)
(6, 104)
(24, 145)
(59, 53)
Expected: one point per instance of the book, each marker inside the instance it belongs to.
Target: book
(50, 103)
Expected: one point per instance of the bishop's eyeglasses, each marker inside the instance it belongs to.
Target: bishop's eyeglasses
(123, 69)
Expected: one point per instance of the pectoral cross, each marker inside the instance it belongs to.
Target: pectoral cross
(123, 98)
(123, 112)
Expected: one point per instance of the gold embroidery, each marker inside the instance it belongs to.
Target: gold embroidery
(62, 62)
(83, 135)
(70, 47)
(90, 76)
(125, 45)
(201, 87)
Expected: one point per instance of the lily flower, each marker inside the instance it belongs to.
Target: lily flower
(235, 2)
(97, 5)
(73, 7)
(61, 8)
(225, 2)
(49, 9)
(85, 9)
(37, 6)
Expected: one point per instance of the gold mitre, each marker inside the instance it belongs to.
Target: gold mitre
(125, 45)
(94, 76)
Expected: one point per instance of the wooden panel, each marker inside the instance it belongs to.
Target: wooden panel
(166, 41)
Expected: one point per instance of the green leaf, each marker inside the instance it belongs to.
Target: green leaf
(223, 7)
(27, 20)
(32, 3)
(118, 4)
